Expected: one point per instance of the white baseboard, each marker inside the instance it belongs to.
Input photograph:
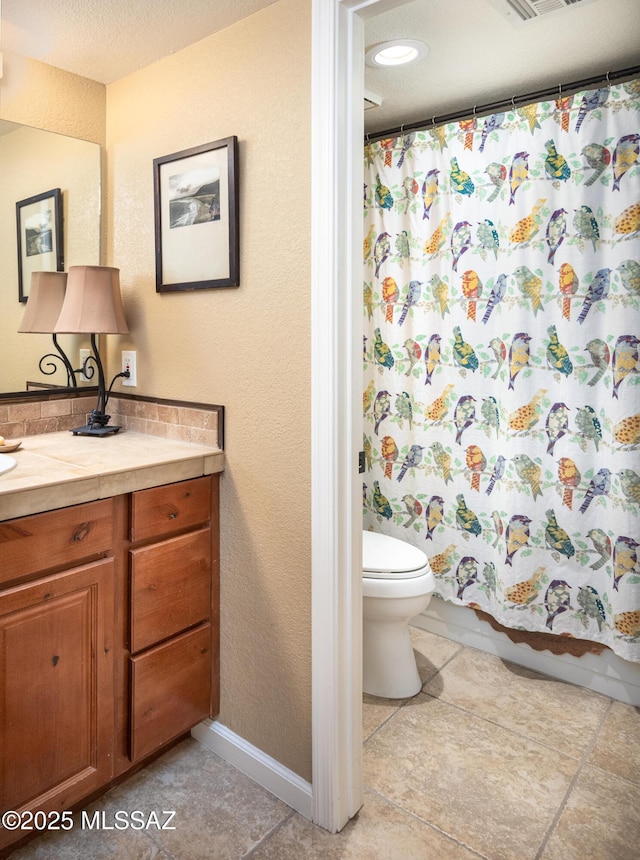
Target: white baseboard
(604, 673)
(257, 765)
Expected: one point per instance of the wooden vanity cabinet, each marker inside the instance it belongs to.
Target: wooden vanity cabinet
(108, 639)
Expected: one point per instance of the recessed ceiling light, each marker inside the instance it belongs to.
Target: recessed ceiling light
(396, 52)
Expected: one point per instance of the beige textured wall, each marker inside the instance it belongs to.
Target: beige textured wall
(246, 348)
(35, 94)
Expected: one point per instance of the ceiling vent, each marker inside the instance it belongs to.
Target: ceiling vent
(371, 100)
(518, 12)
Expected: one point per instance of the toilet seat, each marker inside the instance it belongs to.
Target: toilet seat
(385, 557)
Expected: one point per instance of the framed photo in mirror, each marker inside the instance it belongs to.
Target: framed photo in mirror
(40, 237)
(196, 218)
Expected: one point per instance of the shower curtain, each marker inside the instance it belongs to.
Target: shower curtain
(501, 377)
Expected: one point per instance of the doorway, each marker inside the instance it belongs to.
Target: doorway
(337, 135)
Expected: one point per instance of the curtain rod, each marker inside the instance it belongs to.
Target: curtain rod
(495, 107)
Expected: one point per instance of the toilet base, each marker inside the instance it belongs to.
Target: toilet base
(389, 664)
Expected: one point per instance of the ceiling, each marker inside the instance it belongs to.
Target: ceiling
(476, 56)
(107, 39)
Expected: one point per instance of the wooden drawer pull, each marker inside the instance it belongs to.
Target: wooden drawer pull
(82, 531)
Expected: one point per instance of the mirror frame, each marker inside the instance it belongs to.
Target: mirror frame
(56, 392)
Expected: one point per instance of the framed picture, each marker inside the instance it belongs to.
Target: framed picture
(196, 218)
(40, 240)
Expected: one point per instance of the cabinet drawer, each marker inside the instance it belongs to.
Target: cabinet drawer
(170, 587)
(170, 690)
(54, 539)
(162, 511)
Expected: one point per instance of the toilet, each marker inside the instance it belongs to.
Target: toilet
(397, 585)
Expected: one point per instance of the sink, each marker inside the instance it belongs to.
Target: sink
(6, 463)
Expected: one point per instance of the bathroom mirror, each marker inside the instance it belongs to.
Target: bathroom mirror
(33, 161)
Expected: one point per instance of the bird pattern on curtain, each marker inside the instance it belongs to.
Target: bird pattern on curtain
(501, 377)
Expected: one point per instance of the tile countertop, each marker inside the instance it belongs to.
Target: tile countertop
(55, 470)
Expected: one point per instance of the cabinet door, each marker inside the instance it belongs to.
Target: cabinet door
(56, 697)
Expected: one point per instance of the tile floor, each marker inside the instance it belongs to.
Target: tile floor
(489, 761)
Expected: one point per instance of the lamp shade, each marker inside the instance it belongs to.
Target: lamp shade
(46, 296)
(92, 303)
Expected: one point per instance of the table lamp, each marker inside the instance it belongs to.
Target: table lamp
(93, 305)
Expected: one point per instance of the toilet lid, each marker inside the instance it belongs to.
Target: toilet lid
(386, 557)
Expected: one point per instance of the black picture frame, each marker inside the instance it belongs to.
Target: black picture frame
(197, 218)
(40, 237)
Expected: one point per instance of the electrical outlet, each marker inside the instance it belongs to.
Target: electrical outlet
(84, 355)
(129, 363)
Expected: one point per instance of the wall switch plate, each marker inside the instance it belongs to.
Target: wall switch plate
(84, 355)
(129, 363)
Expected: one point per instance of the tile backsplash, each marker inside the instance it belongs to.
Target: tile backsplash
(172, 419)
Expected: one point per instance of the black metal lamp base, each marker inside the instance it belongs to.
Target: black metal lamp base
(95, 430)
(98, 425)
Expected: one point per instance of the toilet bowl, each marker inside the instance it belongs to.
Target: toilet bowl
(397, 585)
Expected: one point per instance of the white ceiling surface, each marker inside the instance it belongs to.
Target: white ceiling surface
(476, 55)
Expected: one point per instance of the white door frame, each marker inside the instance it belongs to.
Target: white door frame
(336, 412)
